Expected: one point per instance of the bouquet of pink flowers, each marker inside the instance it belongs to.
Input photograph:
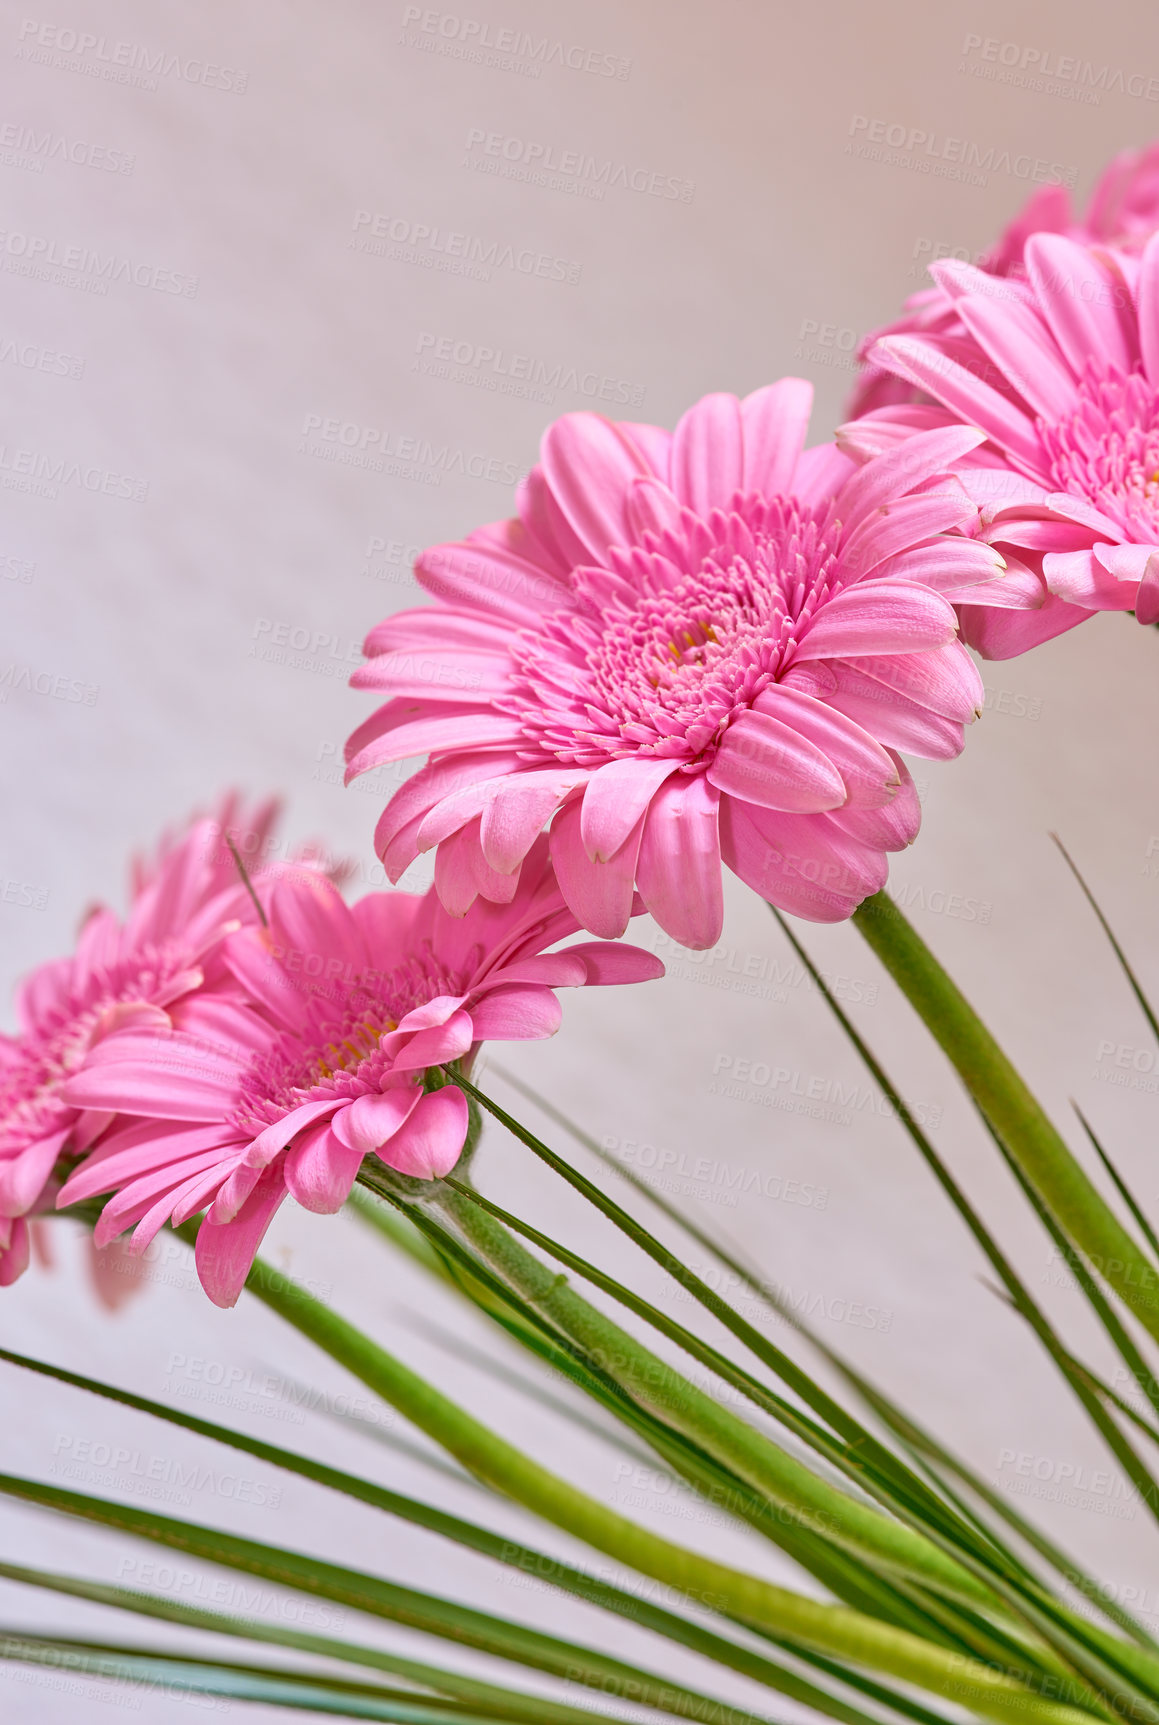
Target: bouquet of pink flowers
(685, 650)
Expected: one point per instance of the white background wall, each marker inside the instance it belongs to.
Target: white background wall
(789, 243)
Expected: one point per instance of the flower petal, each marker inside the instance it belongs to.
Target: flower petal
(370, 1120)
(590, 464)
(950, 383)
(878, 617)
(489, 577)
(892, 717)
(429, 735)
(947, 564)
(430, 1141)
(707, 454)
(432, 1047)
(775, 421)
(519, 811)
(462, 873)
(178, 1083)
(867, 770)
(1077, 297)
(761, 759)
(1084, 578)
(598, 894)
(264, 979)
(898, 526)
(651, 508)
(615, 798)
(320, 1171)
(919, 459)
(437, 674)
(1014, 337)
(23, 1177)
(1008, 634)
(610, 962)
(437, 626)
(678, 872)
(516, 1012)
(14, 1249)
(946, 681)
(555, 969)
(891, 828)
(226, 1251)
(275, 1137)
(396, 835)
(1149, 310)
(761, 863)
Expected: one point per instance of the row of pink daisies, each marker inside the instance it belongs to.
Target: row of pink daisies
(237, 1041)
(714, 645)
(688, 649)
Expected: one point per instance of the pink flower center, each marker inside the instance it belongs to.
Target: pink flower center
(1107, 450)
(46, 1056)
(676, 638)
(339, 1053)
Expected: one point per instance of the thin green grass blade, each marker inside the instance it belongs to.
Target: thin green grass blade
(464, 1690)
(833, 1630)
(912, 1550)
(807, 1430)
(899, 1423)
(1106, 1669)
(1019, 1294)
(929, 1452)
(431, 1615)
(469, 1689)
(1124, 1452)
(395, 1228)
(527, 1561)
(1132, 979)
(171, 1674)
(1120, 1184)
(865, 1475)
(851, 1579)
(1011, 1110)
(990, 1692)
(840, 1419)
(468, 1353)
(1009, 1654)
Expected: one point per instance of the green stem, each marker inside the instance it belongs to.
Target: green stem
(829, 1629)
(1010, 1109)
(771, 1472)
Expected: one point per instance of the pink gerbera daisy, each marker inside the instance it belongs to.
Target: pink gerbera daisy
(689, 647)
(323, 1062)
(123, 975)
(1123, 212)
(1061, 373)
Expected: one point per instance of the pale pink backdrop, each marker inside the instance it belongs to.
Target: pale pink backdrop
(200, 329)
